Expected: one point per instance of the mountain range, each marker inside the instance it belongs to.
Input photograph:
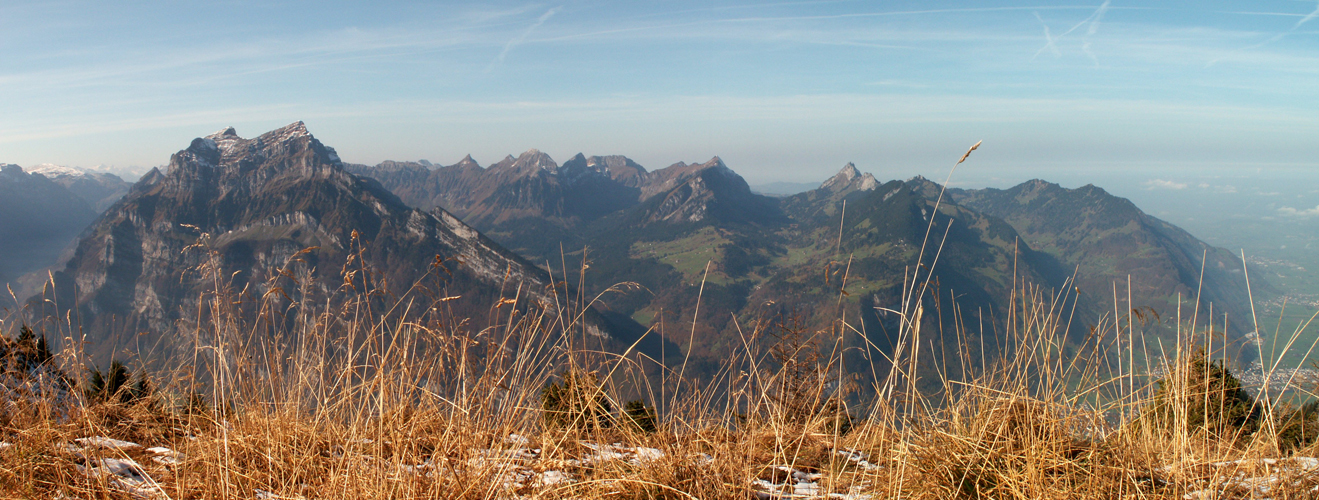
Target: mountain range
(714, 260)
(697, 230)
(262, 212)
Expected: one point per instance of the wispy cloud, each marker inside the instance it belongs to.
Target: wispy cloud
(1305, 19)
(1219, 188)
(1305, 212)
(1048, 39)
(1091, 22)
(1313, 14)
(1094, 27)
(1164, 184)
(522, 37)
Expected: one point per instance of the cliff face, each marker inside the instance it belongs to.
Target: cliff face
(249, 206)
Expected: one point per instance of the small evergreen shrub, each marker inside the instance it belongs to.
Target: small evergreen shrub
(1207, 396)
(576, 402)
(1297, 428)
(25, 353)
(116, 385)
(642, 417)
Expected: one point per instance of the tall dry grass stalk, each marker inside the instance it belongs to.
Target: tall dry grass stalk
(316, 390)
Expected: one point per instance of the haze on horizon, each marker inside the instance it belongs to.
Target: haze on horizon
(781, 91)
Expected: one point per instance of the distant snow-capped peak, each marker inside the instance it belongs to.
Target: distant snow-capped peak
(52, 171)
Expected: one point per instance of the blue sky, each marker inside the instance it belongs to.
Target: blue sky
(784, 91)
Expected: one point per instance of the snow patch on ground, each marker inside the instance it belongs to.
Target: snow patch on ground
(1291, 472)
(105, 442)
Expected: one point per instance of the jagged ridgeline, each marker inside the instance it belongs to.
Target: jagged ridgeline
(272, 214)
(774, 258)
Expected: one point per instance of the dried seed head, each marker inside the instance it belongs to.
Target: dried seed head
(968, 152)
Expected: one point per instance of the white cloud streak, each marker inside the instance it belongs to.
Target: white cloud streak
(1305, 212)
(1164, 184)
(1048, 40)
(1091, 22)
(1307, 18)
(1313, 14)
(522, 37)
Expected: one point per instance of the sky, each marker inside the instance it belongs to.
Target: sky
(781, 91)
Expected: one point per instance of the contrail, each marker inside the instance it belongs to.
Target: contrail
(1048, 40)
(1094, 26)
(517, 40)
(1098, 16)
(1313, 14)
(1092, 20)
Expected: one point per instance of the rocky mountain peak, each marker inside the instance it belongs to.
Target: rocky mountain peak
(705, 191)
(226, 132)
(292, 142)
(620, 168)
(924, 187)
(11, 169)
(291, 131)
(530, 162)
(614, 162)
(535, 159)
(578, 166)
(849, 171)
(715, 162)
(1036, 185)
(467, 162)
(850, 179)
(224, 140)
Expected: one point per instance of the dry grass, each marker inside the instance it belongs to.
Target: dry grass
(360, 394)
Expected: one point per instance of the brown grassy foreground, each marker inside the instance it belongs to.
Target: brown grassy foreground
(406, 410)
(364, 395)
(356, 401)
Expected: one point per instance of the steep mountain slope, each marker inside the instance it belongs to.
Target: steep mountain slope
(260, 202)
(1107, 239)
(38, 218)
(98, 189)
